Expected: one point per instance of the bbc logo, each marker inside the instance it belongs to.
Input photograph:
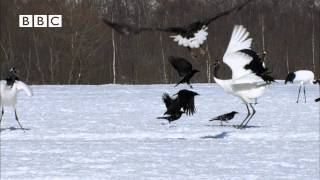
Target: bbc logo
(40, 20)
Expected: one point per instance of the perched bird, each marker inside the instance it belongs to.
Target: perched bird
(303, 77)
(9, 89)
(190, 36)
(225, 117)
(184, 101)
(184, 69)
(249, 76)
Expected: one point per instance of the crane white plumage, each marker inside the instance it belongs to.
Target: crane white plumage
(249, 76)
(9, 89)
(303, 77)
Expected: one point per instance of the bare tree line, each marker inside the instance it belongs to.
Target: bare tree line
(85, 51)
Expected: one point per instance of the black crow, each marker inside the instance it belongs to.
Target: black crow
(183, 103)
(184, 69)
(191, 36)
(225, 117)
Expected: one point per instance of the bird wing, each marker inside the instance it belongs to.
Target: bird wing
(189, 107)
(167, 100)
(241, 59)
(216, 118)
(186, 101)
(21, 86)
(180, 64)
(224, 13)
(248, 82)
(125, 29)
(233, 56)
(172, 29)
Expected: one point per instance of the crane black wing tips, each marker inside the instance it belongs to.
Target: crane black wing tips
(317, 100)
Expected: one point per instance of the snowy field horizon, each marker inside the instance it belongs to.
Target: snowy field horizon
(111, 132)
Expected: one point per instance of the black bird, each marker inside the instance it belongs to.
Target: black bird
(317, 100)
(177, 115)
(225, 117)
(183, 103)
(184, 69)
(190, 36)
(12, 77)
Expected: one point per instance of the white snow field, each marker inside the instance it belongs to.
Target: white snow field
(111, 132)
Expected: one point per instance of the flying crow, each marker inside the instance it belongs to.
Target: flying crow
(184, 69)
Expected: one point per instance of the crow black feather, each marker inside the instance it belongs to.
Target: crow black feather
(184, 69)
(225, 117)
(184, 101)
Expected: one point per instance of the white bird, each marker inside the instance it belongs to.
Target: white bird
(9, 89)
(249, 75)
(303, 77)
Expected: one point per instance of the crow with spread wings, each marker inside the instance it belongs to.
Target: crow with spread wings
(183, 103)
(184, 69)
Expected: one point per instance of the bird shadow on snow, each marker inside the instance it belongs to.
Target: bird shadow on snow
(217, 136)
(14, 129)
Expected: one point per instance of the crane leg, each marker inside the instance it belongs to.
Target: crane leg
(2, 112)
(298, 94)
(17, 119)
(241, 125)
(304, 92)
(253, 113)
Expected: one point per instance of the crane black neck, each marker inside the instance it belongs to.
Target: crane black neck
(215, 70)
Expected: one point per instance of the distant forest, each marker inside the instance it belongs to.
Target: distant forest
(86, 51)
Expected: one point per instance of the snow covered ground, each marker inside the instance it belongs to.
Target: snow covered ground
(111, 132)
